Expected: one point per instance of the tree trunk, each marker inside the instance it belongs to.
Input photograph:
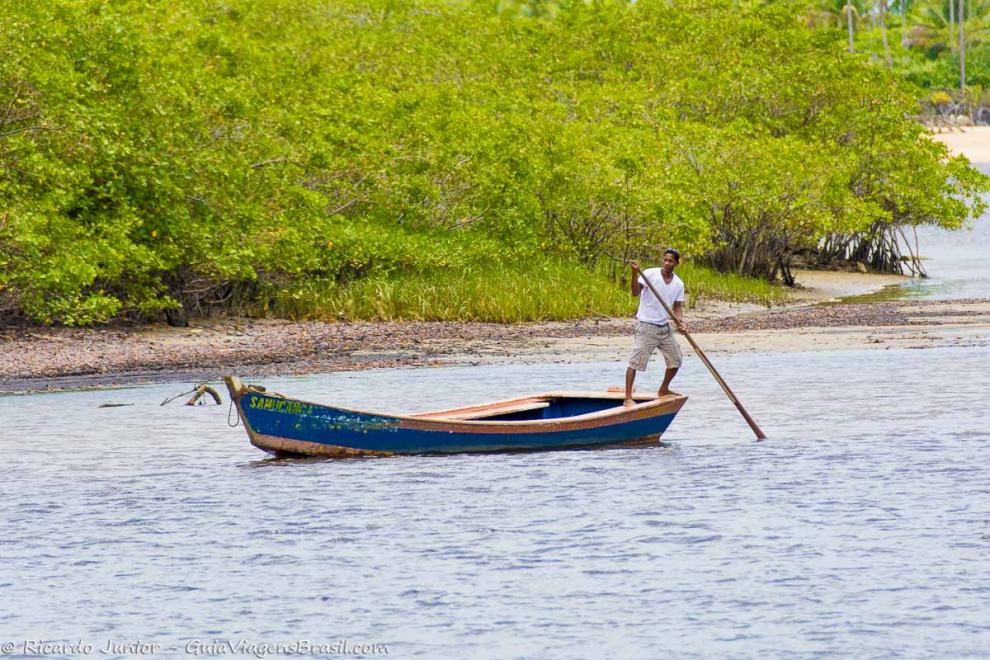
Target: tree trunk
(883, 33)
(952, 29)
(962, 48)
(849, 24)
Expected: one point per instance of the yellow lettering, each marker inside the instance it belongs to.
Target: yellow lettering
(280, 405)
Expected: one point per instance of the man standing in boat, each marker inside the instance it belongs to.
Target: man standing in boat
(653, 329)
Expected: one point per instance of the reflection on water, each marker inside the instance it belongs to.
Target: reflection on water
(860, 529)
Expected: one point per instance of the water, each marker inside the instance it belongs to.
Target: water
(957, 262)
(861, 527)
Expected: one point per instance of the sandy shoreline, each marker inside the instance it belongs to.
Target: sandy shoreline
(40, 359)
(970, 141)
(58, 359)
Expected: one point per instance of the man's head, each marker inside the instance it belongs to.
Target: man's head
(671, 258)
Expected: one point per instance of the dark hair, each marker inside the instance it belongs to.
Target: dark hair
(677, 255)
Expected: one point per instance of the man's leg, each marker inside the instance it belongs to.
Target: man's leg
(630, 379)
(673, 358)
(644, 343)
(667, 377)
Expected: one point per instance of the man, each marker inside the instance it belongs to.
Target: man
(653, 322)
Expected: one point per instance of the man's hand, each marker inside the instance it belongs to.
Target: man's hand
(681, 326)
(634, 286)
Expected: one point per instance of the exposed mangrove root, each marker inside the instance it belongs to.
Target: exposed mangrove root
(881, 249)
(754, 253)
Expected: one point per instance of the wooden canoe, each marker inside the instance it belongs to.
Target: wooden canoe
(556, 420)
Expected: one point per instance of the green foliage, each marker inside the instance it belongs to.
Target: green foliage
(710, 284)
(251, 153)
(922, 38)
(539, 291)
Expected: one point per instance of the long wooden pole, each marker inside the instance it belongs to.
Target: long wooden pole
(708, 363)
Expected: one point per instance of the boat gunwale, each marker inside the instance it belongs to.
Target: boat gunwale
(435, 423)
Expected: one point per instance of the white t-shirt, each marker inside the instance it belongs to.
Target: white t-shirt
(650, 309)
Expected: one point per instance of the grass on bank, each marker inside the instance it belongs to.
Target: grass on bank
(552, 292)
(704, 283)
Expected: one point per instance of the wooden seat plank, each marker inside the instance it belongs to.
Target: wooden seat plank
(488, 411)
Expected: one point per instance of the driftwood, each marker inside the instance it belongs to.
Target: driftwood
(202, 389)
(197, 394)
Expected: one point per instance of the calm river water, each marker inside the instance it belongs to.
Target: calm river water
(861, 527)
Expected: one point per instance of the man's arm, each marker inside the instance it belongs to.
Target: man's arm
(678, 310)
(634, 286)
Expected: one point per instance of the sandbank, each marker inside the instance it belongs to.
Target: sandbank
(970, 141)
(825, 285)
(54, 359)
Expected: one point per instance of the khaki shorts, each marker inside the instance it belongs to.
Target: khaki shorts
(650, 337)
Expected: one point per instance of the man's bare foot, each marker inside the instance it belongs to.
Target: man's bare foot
(667, 392)
(628, 403)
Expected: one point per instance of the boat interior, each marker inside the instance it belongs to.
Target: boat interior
(533, 408)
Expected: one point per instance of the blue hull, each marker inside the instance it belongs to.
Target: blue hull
(286, 426)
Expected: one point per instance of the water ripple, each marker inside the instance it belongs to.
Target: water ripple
(857, 530)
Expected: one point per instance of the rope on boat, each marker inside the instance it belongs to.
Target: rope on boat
(237, 418)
